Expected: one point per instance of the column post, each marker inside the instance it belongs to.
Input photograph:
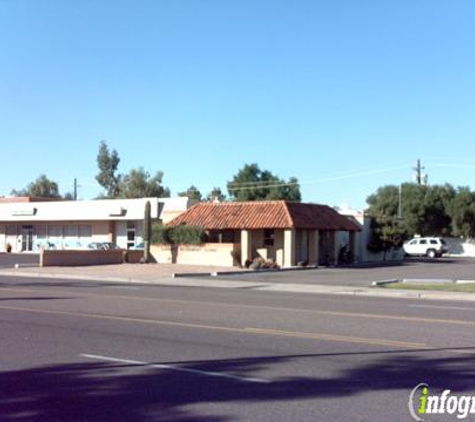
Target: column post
(246, 247)
(289, 248)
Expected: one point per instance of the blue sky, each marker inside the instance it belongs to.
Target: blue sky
(344, 95)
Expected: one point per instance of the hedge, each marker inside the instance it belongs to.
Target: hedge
(178, 235)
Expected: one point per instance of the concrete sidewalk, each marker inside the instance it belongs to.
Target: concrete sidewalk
(147, 273)
(162, 274)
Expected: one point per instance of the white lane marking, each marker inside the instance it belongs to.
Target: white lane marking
(178, 369)
(442, 307)
(124, 287)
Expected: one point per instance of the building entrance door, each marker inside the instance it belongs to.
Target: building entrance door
(26, 238)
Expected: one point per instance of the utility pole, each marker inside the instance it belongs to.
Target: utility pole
(421, 179)
(418, 172)
(75, 191)
(399, 206)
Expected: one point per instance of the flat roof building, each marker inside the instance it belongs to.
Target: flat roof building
(27, 224)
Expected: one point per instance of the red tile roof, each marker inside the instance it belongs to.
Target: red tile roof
(264, 215)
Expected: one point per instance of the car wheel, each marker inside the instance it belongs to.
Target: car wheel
(431, 253)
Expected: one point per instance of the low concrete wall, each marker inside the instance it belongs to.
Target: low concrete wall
(391, 255)
(220, 254)
(133, 256)
(460, 247)
(73, 258)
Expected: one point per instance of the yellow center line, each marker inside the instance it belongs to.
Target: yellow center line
(271, 308)
(334, 337)
(246, 330)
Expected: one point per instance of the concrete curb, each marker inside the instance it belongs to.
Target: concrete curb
(71, 277)
(218, 273)
(198, 275)
(257, 271)
(267, 286)
(384, 282)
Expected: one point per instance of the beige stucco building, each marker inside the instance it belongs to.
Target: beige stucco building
(287, 233)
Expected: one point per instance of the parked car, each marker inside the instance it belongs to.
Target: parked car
(138, 246)
(102, 245)
(426, 246)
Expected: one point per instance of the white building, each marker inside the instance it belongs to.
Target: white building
(27, 224)
(362, 254)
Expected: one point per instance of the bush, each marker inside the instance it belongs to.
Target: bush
(187, 235)
(160, 235)
(179, 235)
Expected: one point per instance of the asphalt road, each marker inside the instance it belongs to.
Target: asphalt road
(87, 351)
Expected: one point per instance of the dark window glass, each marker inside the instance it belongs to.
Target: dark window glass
(269, 237)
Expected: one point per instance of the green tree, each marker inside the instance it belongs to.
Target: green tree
(386, 233)
(139, 184)
(462, 211)
(253, 184)
(216, 194)
(422, 210)
(413, 208)
(192, 192)
(108, 162)
(437, 205)
(42, 187)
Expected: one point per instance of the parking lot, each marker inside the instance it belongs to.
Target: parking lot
(447, 268)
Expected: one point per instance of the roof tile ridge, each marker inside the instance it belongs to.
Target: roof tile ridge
(198, 204)
(211, 204)
(285, 204)
(260, 201)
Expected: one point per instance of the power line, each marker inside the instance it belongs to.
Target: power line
(265, 183)
(322, 180)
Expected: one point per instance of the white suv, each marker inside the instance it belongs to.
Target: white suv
(426, 246)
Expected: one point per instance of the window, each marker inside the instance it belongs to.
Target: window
(221, 236)
(71, 235)
(85, 232)
(41, 236)
(269, 237)
(433, 242)
(228, 236)
(423, 242)
(85, 235)
(11, 230)
(55, 237)
(214, 236)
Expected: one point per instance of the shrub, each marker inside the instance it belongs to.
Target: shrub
(187, 235)
(160, 234)
(178, 235)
